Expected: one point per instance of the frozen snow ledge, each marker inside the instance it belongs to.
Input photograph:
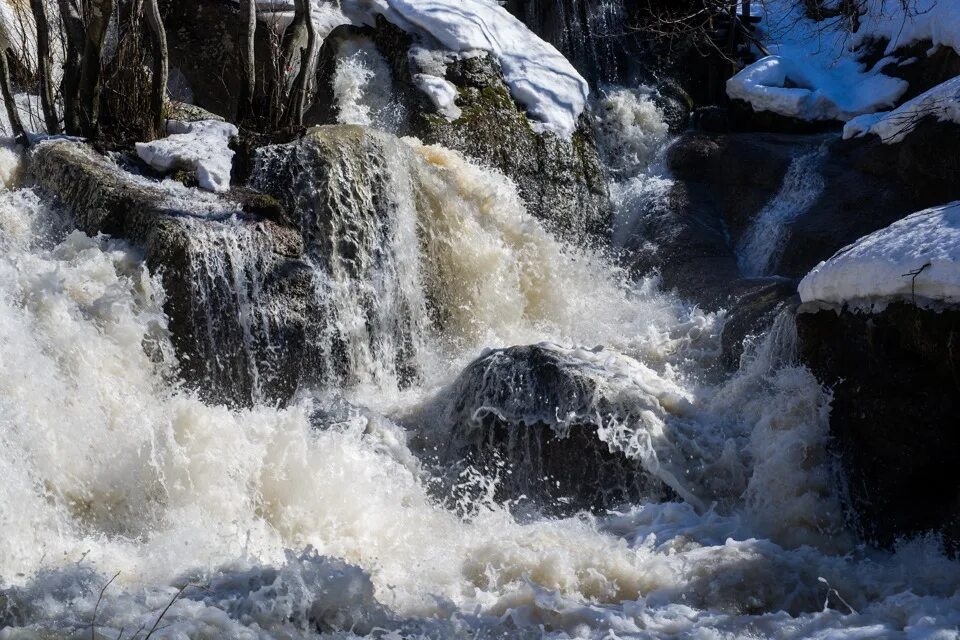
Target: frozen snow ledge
(202, 147)
(798, 88)
(539, 77)
(914, 259)
(942, 102)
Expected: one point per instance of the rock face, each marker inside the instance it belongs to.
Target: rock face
(349, 191)
(561, 182)
(591, 34)
(238, 294)
(895, 377)
(536, 414)
(725, 181)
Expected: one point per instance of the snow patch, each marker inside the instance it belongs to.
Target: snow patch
(538, 75)
(812, 73)
(202, 147)
(442, 93)
(917, 257)
(941, 102)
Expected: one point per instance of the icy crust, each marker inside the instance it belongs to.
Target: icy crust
(812, 73)
(916, 258)
(942, 102)
(202, 147)
(538, 75)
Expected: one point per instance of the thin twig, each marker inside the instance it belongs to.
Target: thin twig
(93, 623)
(167, 608)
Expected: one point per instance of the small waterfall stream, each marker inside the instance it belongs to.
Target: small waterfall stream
(760, 248)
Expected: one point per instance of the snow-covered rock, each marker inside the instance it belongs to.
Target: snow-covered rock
(917, 257)
(812, 73)
(794, 85)
(942, 102)
(935, 20)
(202, 147)
(539, 77)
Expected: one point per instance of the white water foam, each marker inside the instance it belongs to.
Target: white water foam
(362, 87)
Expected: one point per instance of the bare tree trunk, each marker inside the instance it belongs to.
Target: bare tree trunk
(161, 65)
(97, 19)
(12, 113)
(44, 64)
(247, 52)
(70, 86)
(293, 36)
(298, 94)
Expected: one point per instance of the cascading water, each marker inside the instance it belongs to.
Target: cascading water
(593, 34)
(320, 518)
(762, 244)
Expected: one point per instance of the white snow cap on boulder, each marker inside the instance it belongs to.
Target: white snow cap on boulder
(202, 147)
(539, 77)
(916, 256)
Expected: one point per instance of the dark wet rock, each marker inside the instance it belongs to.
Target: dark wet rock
(530, 415)
(921, 64)
(895, 377)
(675, 104)
(724, 181)
(743, 117)
(684, 240)
(562, 182)
(753, 304)
(742, 172)
(214, 259)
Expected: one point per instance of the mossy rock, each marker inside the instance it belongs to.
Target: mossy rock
(561, 181)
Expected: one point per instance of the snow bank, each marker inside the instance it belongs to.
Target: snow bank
(878, 268)
(941, 102)
(934, 20)
(812, 73)
(538, 75)
(201, 147)
(795, 85)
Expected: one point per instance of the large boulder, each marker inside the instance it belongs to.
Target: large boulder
(561, 181)
(238, 293)
(569, 429)
(895, 379)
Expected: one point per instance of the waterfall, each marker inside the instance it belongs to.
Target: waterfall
(593, 34)
(230, 322)
(322, 517)
(760, 248)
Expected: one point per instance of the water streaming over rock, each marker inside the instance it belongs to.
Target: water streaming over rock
(323, 517)
(595, 35)
(762, 244)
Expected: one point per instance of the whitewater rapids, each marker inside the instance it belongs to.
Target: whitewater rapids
(319, 518)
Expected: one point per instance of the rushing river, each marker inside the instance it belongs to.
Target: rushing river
(128, 505)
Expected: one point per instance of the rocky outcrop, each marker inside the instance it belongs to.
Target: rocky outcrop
(238, 294)
(536, 417)
(725, 180)
(895, 377)
(561, 181)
